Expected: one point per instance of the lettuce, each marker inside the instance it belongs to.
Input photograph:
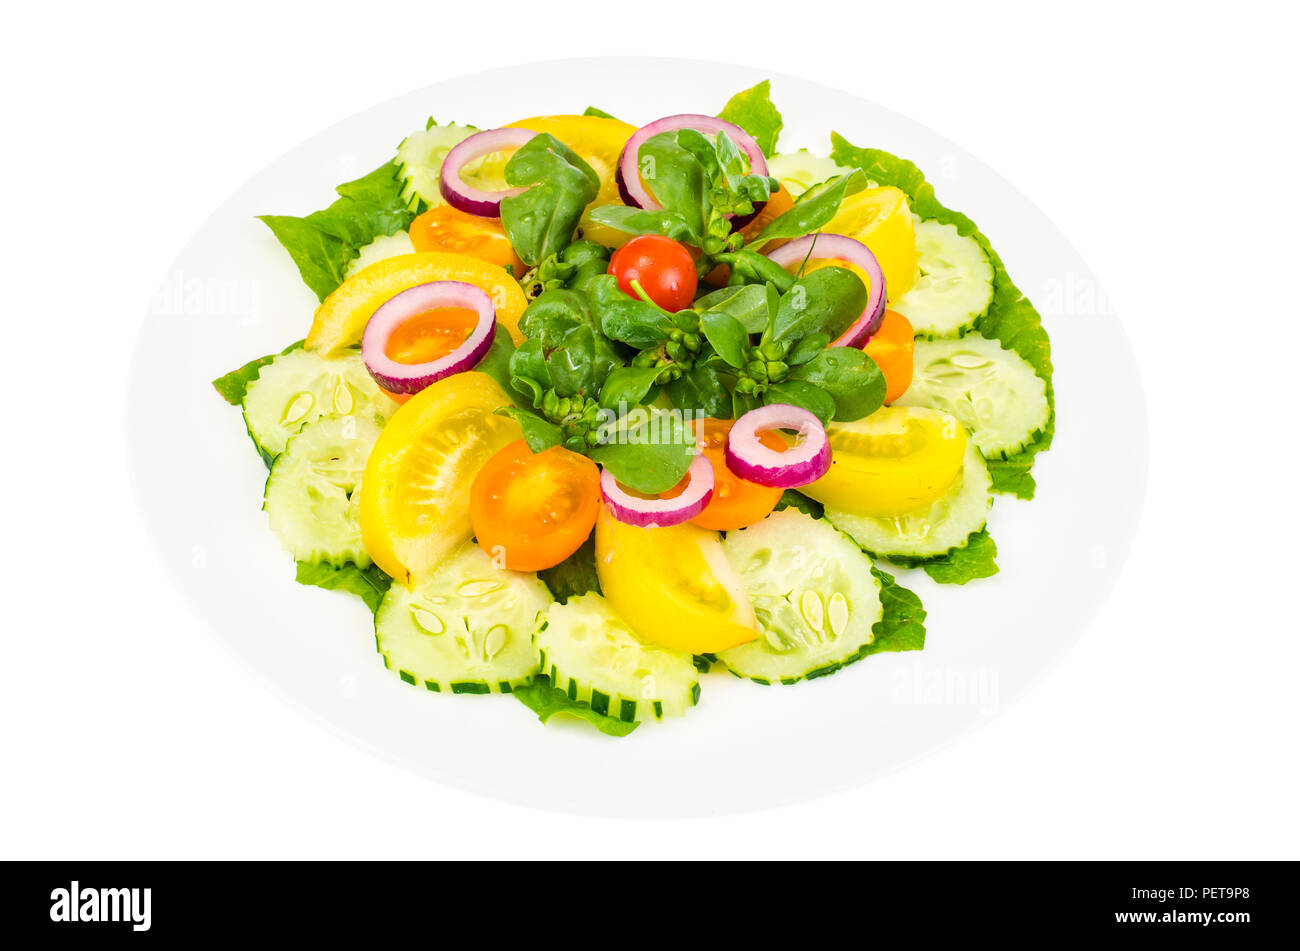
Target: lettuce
(325, 242)
(753, 111)
(961, 565)
(234, 384)
(547, 701)
(1011, 318)
(369, 584)
(575, 575)
(902, 627)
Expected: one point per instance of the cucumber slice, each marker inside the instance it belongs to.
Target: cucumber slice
(992, 391)
(814, 595)
(312, 500)
(933, 531)
(419, 162)
(799, 171)
(385, 246)
(468, 628)
(301, 386)
(591, 654)
(954, 286)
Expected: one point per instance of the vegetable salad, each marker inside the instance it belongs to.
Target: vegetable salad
(590, 411)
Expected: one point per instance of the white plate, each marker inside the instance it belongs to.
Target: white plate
(233, 295)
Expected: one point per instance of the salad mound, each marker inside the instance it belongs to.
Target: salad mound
(589, 409)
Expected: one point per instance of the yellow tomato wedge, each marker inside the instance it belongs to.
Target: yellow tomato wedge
(897, 460)
(415, 494)
(599, 140)
(342, 316)
(882, 220)
(674, 585)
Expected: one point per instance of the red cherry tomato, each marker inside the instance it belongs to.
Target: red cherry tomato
(663, 268)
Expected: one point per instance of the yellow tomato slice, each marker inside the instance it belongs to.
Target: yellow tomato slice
(342, 316)
(895, 461)
(599, 140)
(674, 585)
(882, 220)
(415, 494)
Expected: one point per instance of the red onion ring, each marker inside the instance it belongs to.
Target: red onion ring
(836, 247)
(645, 513)
(628, 176)
(407, 378)
(806, 461)
(465, 197)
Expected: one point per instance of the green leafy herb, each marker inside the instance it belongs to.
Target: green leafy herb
(1011, 318)
(745, 302)
(902, 627)
(234, 384)
(628, 386)
(369, 584)
(974, 560)
(727, 336)
(849, 377)
(813, 208)
(574, 576)
(700, 389)
(323, 243)
(826, 301)
(593, 111)
(541, 220)
(547, 702)
(649, 450)
(540, 434)
(643, 221)
(804, 395)
(753, 111)
(790, 499)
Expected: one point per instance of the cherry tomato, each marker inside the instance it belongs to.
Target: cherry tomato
(444, 228)
(663, 268)
(736, 502)
(891, 347)
(534, 509)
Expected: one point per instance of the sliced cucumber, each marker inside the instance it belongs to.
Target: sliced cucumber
(301, 386)
(419, 162)
(591, 654)
(934, 530)
(954, 286)
(993, 392)
(814, 596)
(467, 629)
(799, 171)
(312, 500)
(385, 246)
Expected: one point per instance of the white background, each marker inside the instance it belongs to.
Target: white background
(1160, 138)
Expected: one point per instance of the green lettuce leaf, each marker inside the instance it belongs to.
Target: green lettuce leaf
(234, 384)
(961, 565)
(753, 111)
(323, 243)
(369, 584)
(575, 575)
(902, 627)
(1011, 318)
(547, 701)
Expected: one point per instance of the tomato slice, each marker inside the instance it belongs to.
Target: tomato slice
(415, 494)
(673, 585)
(533, 510)
(444, 228)
(891, 347)
(736, 502)
(897, 460)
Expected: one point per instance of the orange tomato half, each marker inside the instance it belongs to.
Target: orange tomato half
(736, 502)
(533, 510)
(444, 228)
(891, 347)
